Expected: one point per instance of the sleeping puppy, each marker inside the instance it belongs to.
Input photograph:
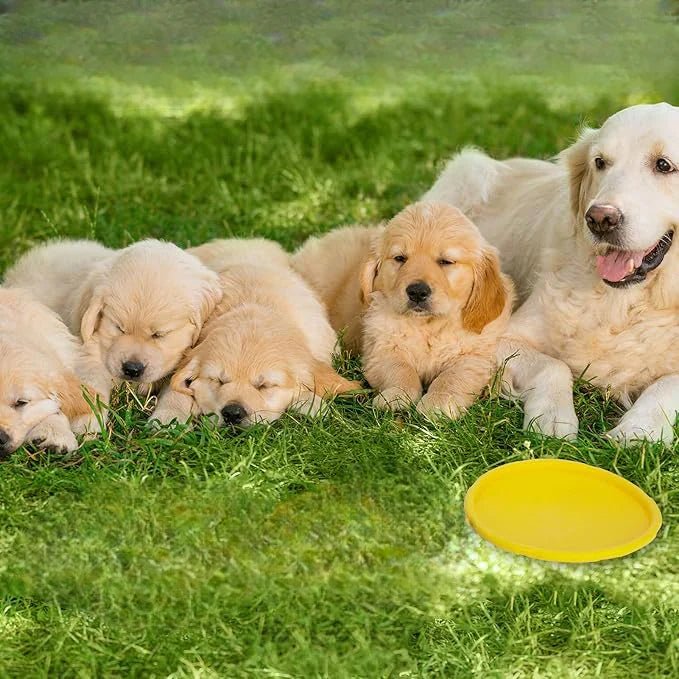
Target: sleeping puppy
(267, 347)
(137, 309)
(589, 239)
(422, 299)
(40, 394)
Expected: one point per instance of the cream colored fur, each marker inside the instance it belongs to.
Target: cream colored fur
(41, 396)
(267, 347)
(572, 323)
(440, 358)
(145, 303)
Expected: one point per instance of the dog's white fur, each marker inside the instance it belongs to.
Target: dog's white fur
(446, 349)
(572, 323)
(40, 393)
(267, 348)
(145, 303)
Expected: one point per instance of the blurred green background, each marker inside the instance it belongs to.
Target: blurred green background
(335, 547)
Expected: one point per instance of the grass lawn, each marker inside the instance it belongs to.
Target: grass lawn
(335, 547)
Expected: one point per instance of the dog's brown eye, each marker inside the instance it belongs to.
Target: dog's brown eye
(664, 166)
(20, 403)
(600, 163)
(445, 262)
(401, 259)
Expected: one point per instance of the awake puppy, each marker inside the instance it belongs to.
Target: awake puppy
(422, 299)
(40, 394)
(137, 309)
(267, 347)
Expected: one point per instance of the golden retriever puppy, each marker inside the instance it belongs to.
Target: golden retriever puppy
(40, 393)
(267, 347)
(422, 298)
(137, 309)
(589, 239)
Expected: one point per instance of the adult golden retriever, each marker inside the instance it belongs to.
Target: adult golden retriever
(137, 309)
(422, 299)
(266, 349)
(40, 393)
(589, 240)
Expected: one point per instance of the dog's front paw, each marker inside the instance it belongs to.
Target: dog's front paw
(57, 439)
(434, 406)
(394, 399)
(86, 425)
(164, 415)
(635, 427)
(309, 404)
(551, 418)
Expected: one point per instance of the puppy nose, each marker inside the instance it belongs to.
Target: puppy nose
(5, 438)
(603, 218)
(233, 413)
(133, 369)
(417, 292)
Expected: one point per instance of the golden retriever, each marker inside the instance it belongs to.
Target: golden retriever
(422, 299)
(589, 240)
(137, 309)
(40, 393)
(267, 347)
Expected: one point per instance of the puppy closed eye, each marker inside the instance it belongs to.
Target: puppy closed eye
(20, 403)
(265, 385)
(401, 259)
(445, 262)
(159, 334)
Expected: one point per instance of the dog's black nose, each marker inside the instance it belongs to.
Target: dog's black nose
(418, 292)
(603, 218)
(233, 413)
(133, 369)
(5, 438)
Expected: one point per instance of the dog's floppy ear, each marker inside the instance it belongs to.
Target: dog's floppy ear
(580, 171)
(488, 296)
(371, 267)
(184, 376)
(71, 394)
(324, 381)
(92, 314)
(210, 296)
(368, 275)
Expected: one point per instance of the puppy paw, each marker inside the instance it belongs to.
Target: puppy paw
(434, 406)
(163, 416)
(552, 419)
(394, 399)
(310, 405)
(635, 427)
(54, 439)
(86, 425)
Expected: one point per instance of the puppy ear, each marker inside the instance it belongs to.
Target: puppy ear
(324, 381)
(488, 296)
(181, 380)
(210, 296)
(70, 393)
(368, 275)
(92, 315)
(580, 171)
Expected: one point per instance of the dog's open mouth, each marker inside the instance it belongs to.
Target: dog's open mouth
(619, 268)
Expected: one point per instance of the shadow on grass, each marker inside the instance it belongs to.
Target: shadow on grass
(285, 167)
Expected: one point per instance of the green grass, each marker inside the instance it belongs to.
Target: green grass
(334, 547)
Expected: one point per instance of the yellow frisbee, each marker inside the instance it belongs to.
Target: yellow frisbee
(558, 510)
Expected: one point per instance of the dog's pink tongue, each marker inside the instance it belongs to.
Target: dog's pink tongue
(617, 264)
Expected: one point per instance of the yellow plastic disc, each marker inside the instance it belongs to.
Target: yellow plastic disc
(559, 510)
